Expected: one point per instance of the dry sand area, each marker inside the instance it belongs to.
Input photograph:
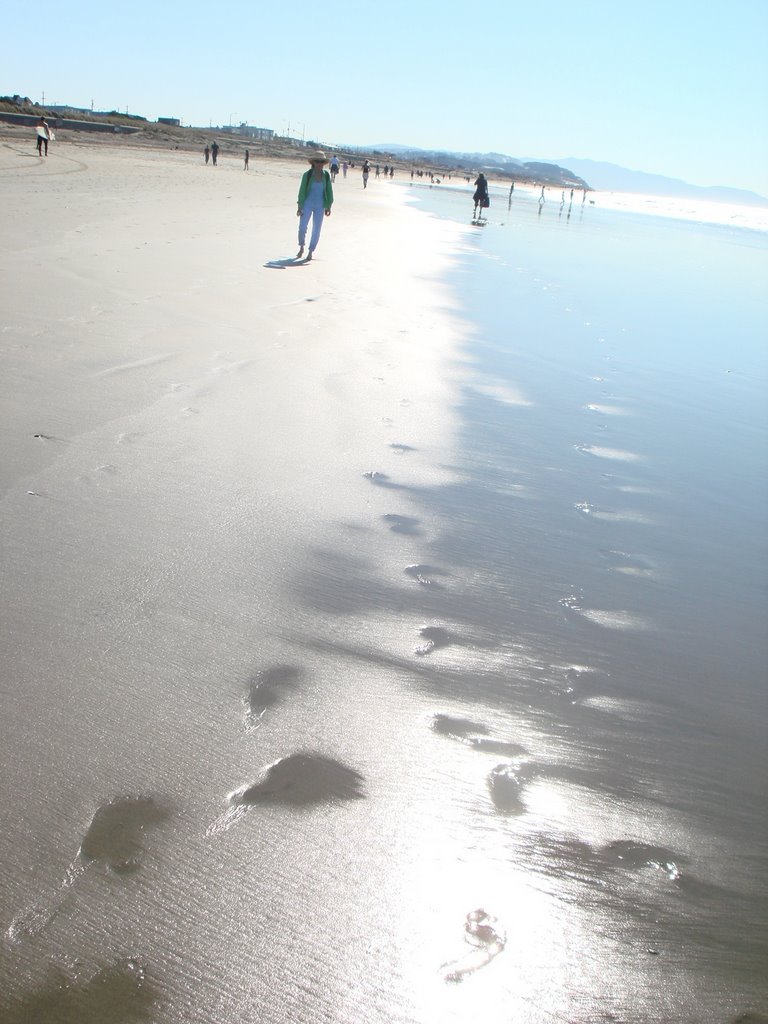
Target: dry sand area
(173, 406)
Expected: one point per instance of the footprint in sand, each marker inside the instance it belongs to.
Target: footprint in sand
(607, 618)
(581, 682)
(612, 454)
(113, 839)
(381, 480)
(475, 735)
(635, 856)
(299, 780)
(424, 574)
(435, 637)
(628, 564)
(120, 992)
(458, 728)
(506, 784)
(402, 524)
(619, 855)
(266, 689)
(506, 781)
(487, 939)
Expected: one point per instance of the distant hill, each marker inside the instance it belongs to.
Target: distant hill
(612, 178)
(490, 163)
(570, 172)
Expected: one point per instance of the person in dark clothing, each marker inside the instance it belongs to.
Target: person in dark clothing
(43, 136)
(481, 198)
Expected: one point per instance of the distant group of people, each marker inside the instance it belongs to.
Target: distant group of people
(389, 172)
(315, 197)
(212, 153)
(419, 172)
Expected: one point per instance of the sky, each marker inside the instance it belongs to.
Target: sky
(675, 88)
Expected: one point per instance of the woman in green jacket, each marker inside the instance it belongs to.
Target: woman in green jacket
(315, 201)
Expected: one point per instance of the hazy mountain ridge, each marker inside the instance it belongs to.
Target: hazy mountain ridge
(548, 173)
(602, 176)
(608, 177)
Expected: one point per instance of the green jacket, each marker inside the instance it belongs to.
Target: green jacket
(306, 181)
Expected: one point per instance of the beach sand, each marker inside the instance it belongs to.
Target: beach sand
(362, 663)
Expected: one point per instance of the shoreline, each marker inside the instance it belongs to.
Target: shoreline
(752, 218)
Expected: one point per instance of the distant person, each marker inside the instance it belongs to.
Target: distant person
(207, 153)
(344, 168)
(315, 201)
(481, 198)
(43, 136)
(333, 167)
(246, 158)
(214, 152)
(366, 172)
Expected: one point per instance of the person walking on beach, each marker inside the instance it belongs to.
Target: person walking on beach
(43, 135)
(344, 168)
(315, 201)
(481, 198)
(214, 152)
(207, 153)
(246, 158)
(334, 168)
(366, 172)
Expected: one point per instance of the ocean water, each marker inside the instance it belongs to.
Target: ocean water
(611, 516)
(490, 750)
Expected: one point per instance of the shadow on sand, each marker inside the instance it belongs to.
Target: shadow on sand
(119, 994)
(289, 261)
